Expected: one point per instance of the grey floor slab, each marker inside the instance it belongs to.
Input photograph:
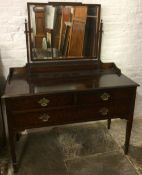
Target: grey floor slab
(46, 151)
(114, 163)
(42, 155)
(135, 149)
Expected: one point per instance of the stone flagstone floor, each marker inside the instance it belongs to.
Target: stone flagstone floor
(85, 149)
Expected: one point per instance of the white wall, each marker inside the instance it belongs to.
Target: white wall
(122, 37)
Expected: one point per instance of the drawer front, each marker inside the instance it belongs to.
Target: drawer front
(40, 101)
(25, 120)
(107, 95)
(82, 113)
(41, 118)
(93, 112)
(104, 111)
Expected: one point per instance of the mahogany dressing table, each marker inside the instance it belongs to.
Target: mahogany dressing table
(71, 85)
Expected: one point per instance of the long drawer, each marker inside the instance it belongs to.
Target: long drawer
(68, 99)
(74, 114)
(55, 109)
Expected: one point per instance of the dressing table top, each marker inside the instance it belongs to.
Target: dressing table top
(20, 83)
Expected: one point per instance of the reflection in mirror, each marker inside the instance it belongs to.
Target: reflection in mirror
(64, 31)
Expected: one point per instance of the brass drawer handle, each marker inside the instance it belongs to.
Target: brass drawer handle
(43, 102)
(44, 117)
(105, 96)
(104, 111)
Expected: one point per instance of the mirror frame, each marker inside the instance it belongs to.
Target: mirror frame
(28, 32)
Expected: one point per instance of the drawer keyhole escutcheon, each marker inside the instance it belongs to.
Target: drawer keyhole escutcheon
(43, 102)
(105, 96)
(104, 111)
(44, 117)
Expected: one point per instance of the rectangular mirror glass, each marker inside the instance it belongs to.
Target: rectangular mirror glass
(63, 31)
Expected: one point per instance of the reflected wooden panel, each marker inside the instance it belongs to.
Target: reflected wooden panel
(58, 31)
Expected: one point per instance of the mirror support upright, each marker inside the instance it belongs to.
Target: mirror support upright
(27, 40)
(100, 41)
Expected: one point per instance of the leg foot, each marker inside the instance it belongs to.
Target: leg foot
(12, 140)
(128, 134)
(15, 167)
(18, 136)
(108, 123)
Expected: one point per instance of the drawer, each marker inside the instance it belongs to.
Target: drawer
(95, 112)
(40, 101)
(26, 120)
(103, 111)
(82, 113)
(107, 95)
(41, 118)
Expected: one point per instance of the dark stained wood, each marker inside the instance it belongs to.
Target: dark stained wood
(56, 92)
(83, 93)
(2, 131)
(129, 122)
(55, 100)
(108, 123)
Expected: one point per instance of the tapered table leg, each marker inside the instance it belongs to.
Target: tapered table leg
(108, 123)
(128, 134)
(12, 140)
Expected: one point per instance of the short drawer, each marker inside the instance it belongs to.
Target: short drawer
(40, 101)
(95, 112)
(102, 111)
(107, 95)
